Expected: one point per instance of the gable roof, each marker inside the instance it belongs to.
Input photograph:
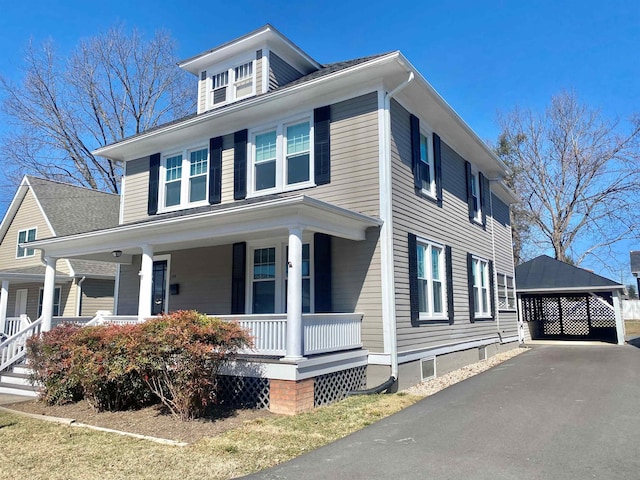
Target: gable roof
(546, 274)
(72, 209)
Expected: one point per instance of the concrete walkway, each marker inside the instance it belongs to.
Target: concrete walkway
(7, 398)
(554, 412)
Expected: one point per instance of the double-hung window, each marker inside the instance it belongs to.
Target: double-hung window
(243, 79)
(506, 292)
(185, 178)
(269, 278)
(281, 158)
(431, 280)
(25, 236)
(475, 197)
(427, 174)
(219, 83)
(56, 301)
(481, 287)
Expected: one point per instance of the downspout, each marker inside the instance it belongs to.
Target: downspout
(496, 294)
(388, 299)
(79, 301)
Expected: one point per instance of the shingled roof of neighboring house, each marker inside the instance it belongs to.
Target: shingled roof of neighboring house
(545, 273)
(73, 209)
(92, 268)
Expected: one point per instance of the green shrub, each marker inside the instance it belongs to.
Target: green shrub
(50, 359)
(174, 358)
(179, 355)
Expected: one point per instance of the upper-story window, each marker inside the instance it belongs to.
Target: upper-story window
(232, 83)
(26, 236)
(281, 158)
(475, 196)
(185, 177)
(427, 174)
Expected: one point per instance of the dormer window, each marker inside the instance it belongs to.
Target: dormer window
(244, 79)
(219, 84)
(232, 83)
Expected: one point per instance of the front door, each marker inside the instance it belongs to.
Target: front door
(21, 302)
(159, 287)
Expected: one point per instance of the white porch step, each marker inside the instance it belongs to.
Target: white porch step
(16, 381)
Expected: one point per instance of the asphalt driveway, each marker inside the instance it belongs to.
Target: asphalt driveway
(554, 412)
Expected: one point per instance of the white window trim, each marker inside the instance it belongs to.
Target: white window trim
(57, 288)
(428, 135)
(508, 293)
(184, 179)
(443, 269)
(230, 67)
(26, 250)
(485, 311)
(475, 181)
(280, 244)
(281, 163)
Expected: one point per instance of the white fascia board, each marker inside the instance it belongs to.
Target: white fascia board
(457, 119)
(21, 192)
(251, 41)
(199, 126)
(273, 215)
(571, 289)
(31, 277)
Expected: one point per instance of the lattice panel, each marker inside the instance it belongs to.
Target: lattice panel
(243, 392)
(574, 316)
(551, 316)
(333, 387)
(602, 313)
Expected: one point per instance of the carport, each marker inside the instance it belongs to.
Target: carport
(558, 301)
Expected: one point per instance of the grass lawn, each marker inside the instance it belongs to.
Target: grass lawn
(41, 450)
(632, 327)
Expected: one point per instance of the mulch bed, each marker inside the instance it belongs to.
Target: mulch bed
(150, 421)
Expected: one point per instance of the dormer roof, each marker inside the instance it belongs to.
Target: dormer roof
(266, 36)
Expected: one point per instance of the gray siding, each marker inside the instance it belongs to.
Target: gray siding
(136, 190)
(67, 301)
(203, 276)
(280, 72)
(356, 284)
(448, 225)
(259, 72)
(97, 294)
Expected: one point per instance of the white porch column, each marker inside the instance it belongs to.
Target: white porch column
(617, 307)
(4, 295)
(146, 281)
(294, 295)
(48, 292)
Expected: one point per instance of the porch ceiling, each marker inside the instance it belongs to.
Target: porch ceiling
(219, 226)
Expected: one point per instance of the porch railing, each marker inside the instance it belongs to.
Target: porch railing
(322, 332)
(13, 349)
(13, 325)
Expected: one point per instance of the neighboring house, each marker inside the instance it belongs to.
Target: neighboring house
(43, 209)
(559, 301)
(343, 212)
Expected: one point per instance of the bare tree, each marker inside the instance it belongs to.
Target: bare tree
(111, 86)
(577, 174)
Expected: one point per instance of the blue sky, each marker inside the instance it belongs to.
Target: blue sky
(481, 56)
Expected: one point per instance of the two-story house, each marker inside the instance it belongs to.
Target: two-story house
(343, 212)
(41, 209)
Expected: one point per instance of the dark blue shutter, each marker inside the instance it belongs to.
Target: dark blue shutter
(240, 165)
(437, 164)
(154, 180)
(322, 272)
(492, 291)
(414, 300)
(238, 272)
(484, 196)
(449, 270)
(469, 177)
(472, 309)
(415, 151)
(322, 145)
(215, 170)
